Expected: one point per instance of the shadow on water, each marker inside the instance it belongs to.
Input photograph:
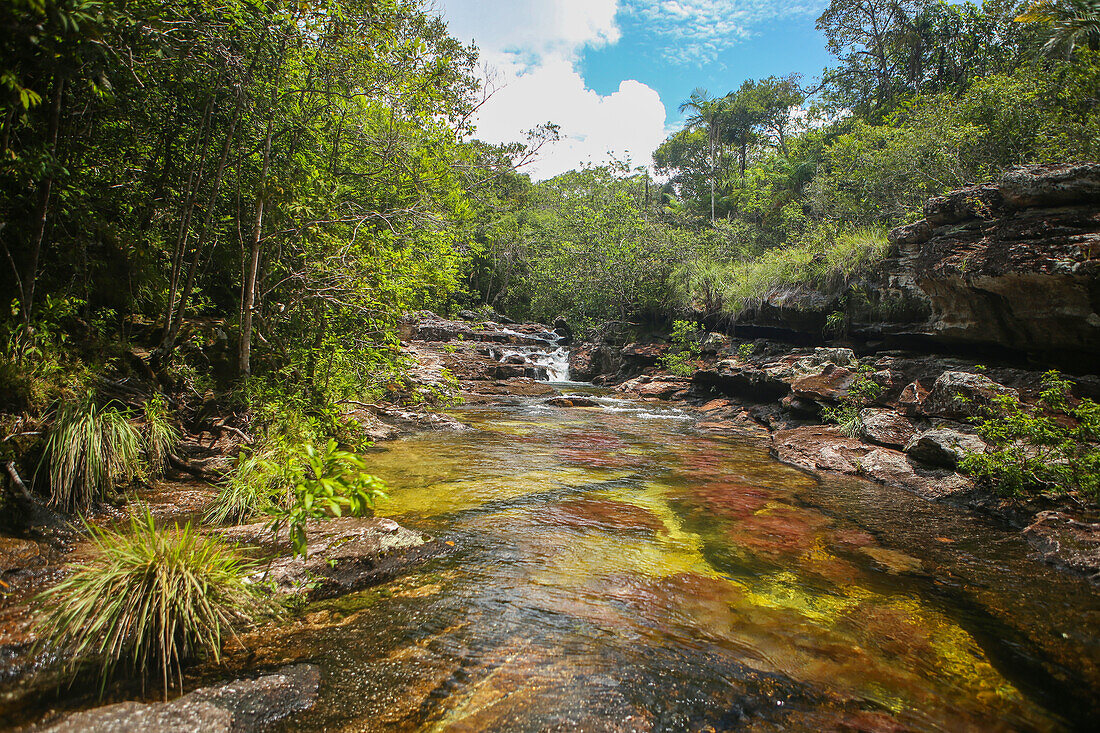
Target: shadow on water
(615, 570)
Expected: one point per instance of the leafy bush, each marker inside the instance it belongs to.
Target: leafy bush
(148, 599)
(746, 350)
(862, 391)
(324, 483)
(1051, 447)
(89, 449)
(685, 348)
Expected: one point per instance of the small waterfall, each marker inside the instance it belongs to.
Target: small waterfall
(557, 365)
(548, 363)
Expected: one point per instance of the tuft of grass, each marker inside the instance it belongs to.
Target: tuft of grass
(257, 486)
(88, 450)
(149, 600)
(829, 265)
(159, 435)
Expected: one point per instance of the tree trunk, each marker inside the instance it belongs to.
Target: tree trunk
(31, 273)
(252, 266)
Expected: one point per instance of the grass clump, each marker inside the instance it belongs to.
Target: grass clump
(257, 485)
(149, 599)
(829, 264)
(159, 435)
(88, 451)
(1052, 447)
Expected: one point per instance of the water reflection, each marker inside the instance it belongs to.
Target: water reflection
(621, 573)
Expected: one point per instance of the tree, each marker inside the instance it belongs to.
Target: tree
(706, 113)
(1072, 23)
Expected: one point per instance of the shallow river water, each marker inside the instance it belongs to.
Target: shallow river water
(613, 569)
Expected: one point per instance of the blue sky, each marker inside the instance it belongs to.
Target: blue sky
(612, 73)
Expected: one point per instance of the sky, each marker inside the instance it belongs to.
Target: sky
(612, 73)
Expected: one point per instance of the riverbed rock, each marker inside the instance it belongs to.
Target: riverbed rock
(820, 448)
(827, 385)
(237, 707)
(345, 554)
(960, 395)
(886, 428)
(661, 387)
(1063, 540)
(944, 446)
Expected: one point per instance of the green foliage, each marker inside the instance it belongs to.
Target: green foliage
(826, 264)
(148, 599)
(862, 392)
(680, 359)
(746, 350)
(323, 483)
(1052, 447)
(88, 451)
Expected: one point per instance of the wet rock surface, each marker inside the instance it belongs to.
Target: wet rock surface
(345, 554)
(242, 706)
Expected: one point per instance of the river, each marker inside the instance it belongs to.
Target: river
(615, 569)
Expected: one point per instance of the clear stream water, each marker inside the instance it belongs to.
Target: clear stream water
(614, 569)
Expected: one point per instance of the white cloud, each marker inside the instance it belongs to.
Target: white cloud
(533, 48)
(697, 31)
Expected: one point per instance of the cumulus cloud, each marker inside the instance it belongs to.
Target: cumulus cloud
(697, 31)
(532, 47)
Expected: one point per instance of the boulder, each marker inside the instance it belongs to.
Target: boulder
(972, 202)
(918, 232)
(236, 707)
(346, 554)
(1051, 185)
(886, 428)
(828, 385)
(892, 468)
(960, 395)
(639, 356)
(662, 387)
(563, 331)
(943, 446)
(910, 399)
(714, 343)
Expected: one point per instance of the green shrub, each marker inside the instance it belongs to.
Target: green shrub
(148, 600)
(88, 451)
(680, 359)
(1052, 447)
(324, 483)
(862, 392)
(746, 350)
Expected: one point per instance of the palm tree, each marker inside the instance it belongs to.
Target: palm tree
(706, 112)
(1072, 22)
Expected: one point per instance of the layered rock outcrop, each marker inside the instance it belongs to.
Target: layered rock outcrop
(1013, 266)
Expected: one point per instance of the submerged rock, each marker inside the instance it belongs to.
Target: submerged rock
(237, 707)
